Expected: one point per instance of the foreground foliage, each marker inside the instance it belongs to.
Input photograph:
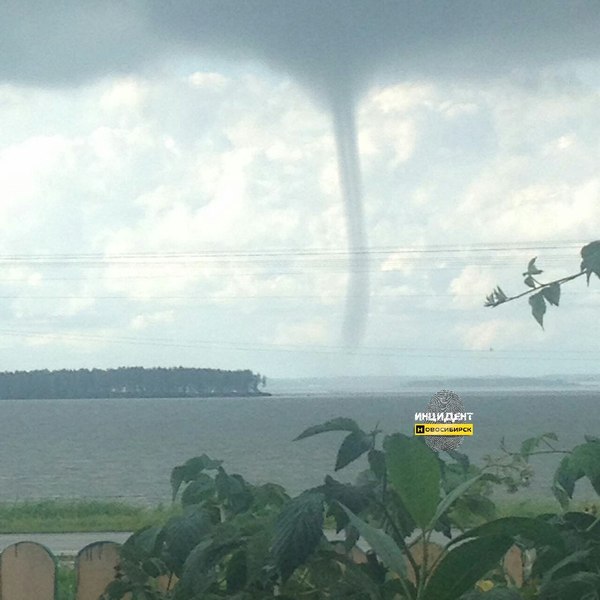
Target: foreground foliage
(544, 294)
(415, 526)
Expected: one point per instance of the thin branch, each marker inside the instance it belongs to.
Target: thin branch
(536, 289)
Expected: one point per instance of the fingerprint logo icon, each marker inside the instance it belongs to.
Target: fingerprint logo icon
(447, 402)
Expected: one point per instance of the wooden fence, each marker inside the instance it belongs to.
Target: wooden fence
(28, 571)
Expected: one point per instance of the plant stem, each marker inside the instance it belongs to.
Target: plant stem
(540, 287)
(401, 541)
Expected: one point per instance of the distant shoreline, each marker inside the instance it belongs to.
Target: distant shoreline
(130, 382)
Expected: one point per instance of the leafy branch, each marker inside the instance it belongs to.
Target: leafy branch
(540, 294)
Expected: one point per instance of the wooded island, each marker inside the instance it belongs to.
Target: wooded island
(130, 382)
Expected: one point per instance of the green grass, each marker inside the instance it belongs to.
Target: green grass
(528, 507)
(61, 516)
(65, 583)
(531, 507)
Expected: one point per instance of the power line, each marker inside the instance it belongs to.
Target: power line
(383, 351)
(169, 256)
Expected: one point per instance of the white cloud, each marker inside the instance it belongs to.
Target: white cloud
(472, 285)
(310, 332)
(207, 81)
(496, 334)
(244, 167)
(124, 95)
(143, 321)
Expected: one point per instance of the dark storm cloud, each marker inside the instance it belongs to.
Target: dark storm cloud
(334, 47)
(318, 41)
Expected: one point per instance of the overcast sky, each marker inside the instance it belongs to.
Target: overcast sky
(169, 189)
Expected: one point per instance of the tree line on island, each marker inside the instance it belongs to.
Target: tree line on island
(130, 382)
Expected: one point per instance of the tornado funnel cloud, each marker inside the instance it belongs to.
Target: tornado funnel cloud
(357, 292)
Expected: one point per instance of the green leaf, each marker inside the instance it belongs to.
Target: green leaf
(590, 255)
(538, 307)
(154, 567)
(535, 530)
(500, 295)
(496, 593)
(377, 463)
(183, 533)
(381, 543)
(529, 445)
(463, 566)
(233, 491)
(198, 490)
(191, 470)
(531, 268)
(143, 544)
(577, 557)
(529, 281)
(582, 585)
(196, 575)
(298, 530)
(236, 572)
(336, 493)
(257, 552)
(552, 293)
(584, 461)
(480, 506)
(460, 458)
(355, 444)
(338, 424)
(414, 473)
(449, 499)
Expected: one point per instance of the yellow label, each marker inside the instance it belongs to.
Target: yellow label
(443, 428)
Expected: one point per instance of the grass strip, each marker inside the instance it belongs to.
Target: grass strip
(64, 516)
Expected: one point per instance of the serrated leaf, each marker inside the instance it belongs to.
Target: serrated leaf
(414, 473)
(196, 576)
(538, 307)
(584, 461)
(377, 463)
(257, 552)
(198, 490)
(298, 530)
(143, 544)
(183, 533)
(191, 470)
(464, 565)
(336, 493)
(552, 293)
(338, 424)
(531, 268)
(381, 543)
(355, 444)
(233, 491)
(529, 445)
(500, 295)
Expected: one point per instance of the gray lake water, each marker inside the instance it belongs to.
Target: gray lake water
(125, 448)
